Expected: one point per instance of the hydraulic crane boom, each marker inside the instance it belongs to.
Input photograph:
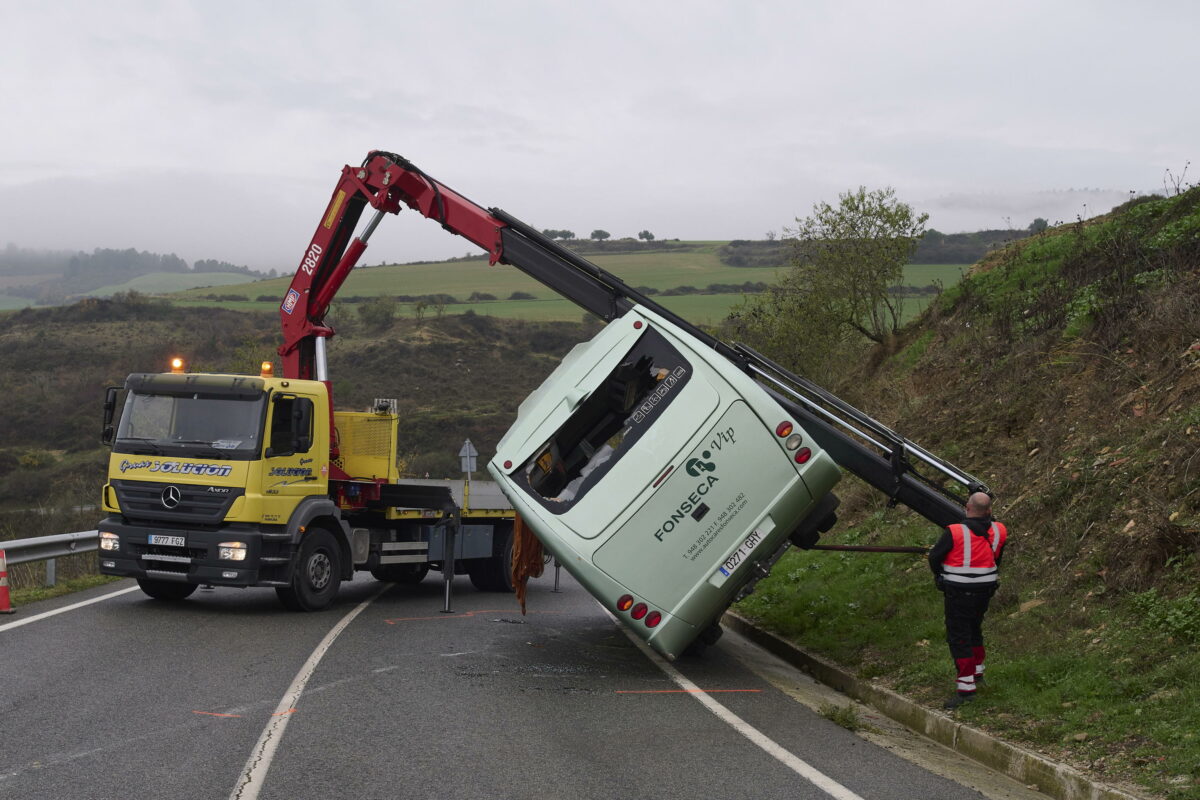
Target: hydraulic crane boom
(388, 182)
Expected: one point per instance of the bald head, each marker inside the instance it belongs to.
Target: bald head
(979, 504)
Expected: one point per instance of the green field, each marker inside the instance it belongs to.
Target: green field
(168, 282)
(665, 270)
(8, 303)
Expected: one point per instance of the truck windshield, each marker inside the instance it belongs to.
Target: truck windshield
(194, 425)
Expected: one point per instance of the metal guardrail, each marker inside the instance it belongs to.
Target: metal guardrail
(48, 548)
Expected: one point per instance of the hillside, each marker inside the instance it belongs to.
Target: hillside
(458, 377)
(1064, 370)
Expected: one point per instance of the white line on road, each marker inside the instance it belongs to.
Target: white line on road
(254, 774)
(789, 760)
(64, 609)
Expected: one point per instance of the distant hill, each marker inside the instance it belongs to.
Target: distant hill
(54, 277)
(168, 282)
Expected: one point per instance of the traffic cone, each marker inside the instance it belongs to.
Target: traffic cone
(5, 602)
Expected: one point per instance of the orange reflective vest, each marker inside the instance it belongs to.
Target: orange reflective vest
(972, 558)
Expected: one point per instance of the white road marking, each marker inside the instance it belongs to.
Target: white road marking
(65, 609)
(255, 772)
(768, 745)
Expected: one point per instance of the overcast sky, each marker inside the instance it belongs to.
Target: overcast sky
(218, 129)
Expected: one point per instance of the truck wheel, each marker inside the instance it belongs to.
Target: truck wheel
(494, 574)
(318, 573)
(406, 574)
(166, 590)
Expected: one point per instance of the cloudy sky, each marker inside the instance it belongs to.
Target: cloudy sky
(217, 129)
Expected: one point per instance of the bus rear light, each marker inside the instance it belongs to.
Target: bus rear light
(794, 441)
(639, 611)
(783, 429)
(637, 326)
(803, 455)
(508, 465)
(652, 619)
(625, 602)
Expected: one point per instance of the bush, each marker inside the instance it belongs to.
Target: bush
(521, 296)
(378, 313)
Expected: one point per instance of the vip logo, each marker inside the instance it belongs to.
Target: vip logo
(696, 467)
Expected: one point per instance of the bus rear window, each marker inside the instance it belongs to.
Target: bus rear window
(607, 424)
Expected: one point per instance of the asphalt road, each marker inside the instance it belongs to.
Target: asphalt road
(134, 698)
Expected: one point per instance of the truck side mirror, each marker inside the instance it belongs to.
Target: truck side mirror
(107, 432)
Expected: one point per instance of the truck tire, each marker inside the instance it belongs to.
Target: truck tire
(317, 575)
(494, 574)
(169, 591)
(406, 574)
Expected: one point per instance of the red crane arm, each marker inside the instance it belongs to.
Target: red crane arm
(386, 182)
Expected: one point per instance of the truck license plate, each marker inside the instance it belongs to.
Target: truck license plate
(168, 541)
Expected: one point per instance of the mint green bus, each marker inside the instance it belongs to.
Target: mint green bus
(662, 477)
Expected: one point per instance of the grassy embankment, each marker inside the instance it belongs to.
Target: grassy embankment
(1065, 371)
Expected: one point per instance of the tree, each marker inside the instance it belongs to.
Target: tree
(850, 258)
(647, 235)
(600, 235)
(1038, 225)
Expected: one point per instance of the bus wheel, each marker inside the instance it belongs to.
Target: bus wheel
(707, 638)
(318, 573)
(166, 590)
(407, 574)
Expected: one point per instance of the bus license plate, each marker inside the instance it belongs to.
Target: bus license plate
(168, 541)
(738, 556)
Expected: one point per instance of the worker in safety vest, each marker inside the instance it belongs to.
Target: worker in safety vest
(965, 564)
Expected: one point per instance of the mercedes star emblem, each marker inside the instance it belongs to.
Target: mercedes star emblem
(171, 496)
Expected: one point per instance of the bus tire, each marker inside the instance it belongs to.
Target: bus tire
(168, 591)
(405, 574)
(818, 521)
(317, 575)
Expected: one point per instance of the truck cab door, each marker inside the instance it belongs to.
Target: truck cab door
(294, 466)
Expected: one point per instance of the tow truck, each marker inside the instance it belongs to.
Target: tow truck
(238, 480)
(665, 469)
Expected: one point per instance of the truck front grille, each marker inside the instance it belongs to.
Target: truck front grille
(182, 503)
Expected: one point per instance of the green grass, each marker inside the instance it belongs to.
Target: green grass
(1123, 689)
(462, 278)
(167, 282)
(10, 303)
(23, 597)
(700, 309)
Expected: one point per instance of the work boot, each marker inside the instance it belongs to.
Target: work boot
(957, 700)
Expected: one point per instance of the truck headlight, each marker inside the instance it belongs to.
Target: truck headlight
(231, 551)
(109, 541)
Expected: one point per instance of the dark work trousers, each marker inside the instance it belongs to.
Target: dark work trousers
(965, 607)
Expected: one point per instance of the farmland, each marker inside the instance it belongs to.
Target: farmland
(698, 268)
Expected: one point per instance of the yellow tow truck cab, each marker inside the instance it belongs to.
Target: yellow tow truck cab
(238, 480)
